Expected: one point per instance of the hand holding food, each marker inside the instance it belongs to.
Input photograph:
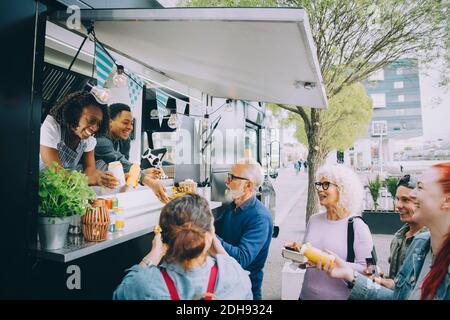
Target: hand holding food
(107, 179)
(133, 175)
(339, 269)
(157, 229)
(154, 173)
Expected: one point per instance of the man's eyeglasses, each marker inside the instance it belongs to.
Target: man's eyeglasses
(325, 185)
(231, 177)
(407, 181)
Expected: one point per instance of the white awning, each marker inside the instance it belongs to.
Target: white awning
(255, 54)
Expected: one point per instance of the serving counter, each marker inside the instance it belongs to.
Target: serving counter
(141, 210)
(92, 270)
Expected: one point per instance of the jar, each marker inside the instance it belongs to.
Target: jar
(120, 219)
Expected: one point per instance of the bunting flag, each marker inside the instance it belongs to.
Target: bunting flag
(103, 65)
(134, 87)
(181, 107)
(161, 102)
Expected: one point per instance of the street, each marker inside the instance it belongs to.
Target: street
(291, 192)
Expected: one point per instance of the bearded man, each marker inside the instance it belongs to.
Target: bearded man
(245, 226)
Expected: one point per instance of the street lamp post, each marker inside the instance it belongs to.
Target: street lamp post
(381, 153)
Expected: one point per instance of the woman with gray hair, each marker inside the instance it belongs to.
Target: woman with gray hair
(340, 192)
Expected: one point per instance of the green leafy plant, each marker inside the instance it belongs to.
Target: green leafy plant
(391, 185)
(63, 193)
(374, 188)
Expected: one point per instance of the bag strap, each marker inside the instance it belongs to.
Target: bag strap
(173, 290)
(212, 281)
(351, 241)
(170, 285)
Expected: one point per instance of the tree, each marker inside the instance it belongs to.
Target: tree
(374, 188)
(391, 185)
(345, 120)
(353, 40)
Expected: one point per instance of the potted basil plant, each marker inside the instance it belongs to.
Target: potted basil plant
(62, 194)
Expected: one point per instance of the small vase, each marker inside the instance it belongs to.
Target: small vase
(96, 221)
(75, 225)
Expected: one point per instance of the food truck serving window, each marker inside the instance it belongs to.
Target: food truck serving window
(251, 142)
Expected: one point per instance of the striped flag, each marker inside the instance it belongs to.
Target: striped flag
(161, 103)
(103, 65)
(134, 87)
(181, 107)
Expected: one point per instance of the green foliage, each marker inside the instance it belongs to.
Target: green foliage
(63, 193)
(346, 119)
(391, 185)
(374, 188)
(356, 38)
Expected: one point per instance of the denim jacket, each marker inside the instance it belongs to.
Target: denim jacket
(405, 280)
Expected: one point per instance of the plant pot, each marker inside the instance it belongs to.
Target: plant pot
(53, 232)
(382, 221)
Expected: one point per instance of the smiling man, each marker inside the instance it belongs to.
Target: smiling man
(115, 146)
(405, 235)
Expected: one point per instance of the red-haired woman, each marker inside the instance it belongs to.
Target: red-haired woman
(425, 273)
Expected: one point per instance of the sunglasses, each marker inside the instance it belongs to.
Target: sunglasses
(325, 185)
(231, 177)
(407, 181)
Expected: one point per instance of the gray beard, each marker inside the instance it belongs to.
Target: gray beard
(231, 195)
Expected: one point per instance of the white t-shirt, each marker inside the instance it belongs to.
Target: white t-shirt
(51, 135)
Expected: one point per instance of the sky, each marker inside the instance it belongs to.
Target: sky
(435, 104)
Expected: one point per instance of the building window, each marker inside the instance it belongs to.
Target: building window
(398, 85)
(379, 100)
(377, 75)
(401, 98)
(379, 128)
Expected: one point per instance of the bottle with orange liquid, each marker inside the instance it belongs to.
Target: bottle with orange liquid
(315, 255)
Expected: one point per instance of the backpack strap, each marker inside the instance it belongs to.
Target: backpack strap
(170, 285)
(351, 241)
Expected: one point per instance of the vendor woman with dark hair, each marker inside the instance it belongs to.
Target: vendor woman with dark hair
(67, 136)
(115, 146)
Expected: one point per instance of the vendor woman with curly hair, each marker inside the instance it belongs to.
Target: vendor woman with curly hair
(67, 136)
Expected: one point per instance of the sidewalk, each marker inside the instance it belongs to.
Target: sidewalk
(291, 208)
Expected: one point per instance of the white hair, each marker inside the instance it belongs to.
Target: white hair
(351, 190)
(252, 171)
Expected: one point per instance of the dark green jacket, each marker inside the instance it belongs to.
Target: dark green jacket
(399, 245)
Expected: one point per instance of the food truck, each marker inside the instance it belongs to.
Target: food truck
(217, 67)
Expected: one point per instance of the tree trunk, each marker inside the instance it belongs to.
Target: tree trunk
(312, 205)
(315, 160)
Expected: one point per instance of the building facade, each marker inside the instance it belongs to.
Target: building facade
(397, 114)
